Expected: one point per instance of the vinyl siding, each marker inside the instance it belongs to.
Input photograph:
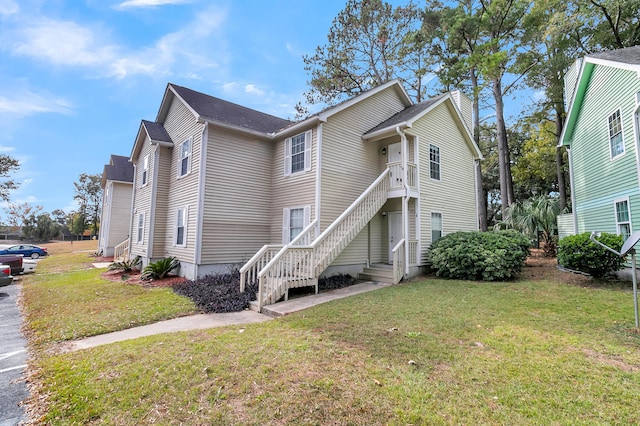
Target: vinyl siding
(142, 200)
(119, 213)
(174, 192)
(237, 197)
(295, 190)
(454, 194)
(348, 163)
(599, 180)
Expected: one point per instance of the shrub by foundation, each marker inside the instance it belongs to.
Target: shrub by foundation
(487, 256)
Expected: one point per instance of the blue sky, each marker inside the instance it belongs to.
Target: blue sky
(76, 77)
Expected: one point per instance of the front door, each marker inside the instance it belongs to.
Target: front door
(394, 157)
(395, 231)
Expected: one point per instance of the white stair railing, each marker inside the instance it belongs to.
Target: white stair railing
(397, 255)
(298, 265)
(249, 271)
(121, 251)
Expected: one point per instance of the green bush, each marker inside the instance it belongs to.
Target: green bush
(159, 269)
(579, 253)
(488, 256)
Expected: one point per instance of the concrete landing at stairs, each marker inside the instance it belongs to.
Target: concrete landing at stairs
(293, 305)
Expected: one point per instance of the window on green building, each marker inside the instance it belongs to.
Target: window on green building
(623, 218)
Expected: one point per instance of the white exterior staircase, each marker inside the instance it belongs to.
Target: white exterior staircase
(299, 263)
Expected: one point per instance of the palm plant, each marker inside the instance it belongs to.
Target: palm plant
(160, 269)
(536, 216)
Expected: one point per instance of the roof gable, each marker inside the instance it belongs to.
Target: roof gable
(405, 119)
(211, 109)
(625, 59)
(119, 169)
(156, 133)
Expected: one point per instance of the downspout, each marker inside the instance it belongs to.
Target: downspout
(573, 192)
(200, 209)
(405, 199)
(152, 207)
(134, 193)
(318, 176)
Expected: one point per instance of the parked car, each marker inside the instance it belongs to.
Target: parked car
(28, 250)
(5, 275)
(14, 261)
(29, 266)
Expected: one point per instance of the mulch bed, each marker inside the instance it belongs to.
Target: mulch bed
(133, 277)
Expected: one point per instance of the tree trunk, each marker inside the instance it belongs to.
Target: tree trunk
(480, 194)
(562, 185)
(506, 184)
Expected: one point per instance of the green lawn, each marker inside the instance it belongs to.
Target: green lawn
(426, 352)
(60, 306)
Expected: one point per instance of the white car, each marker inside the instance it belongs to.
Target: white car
(29, 265)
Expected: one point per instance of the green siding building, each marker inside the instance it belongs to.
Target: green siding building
(601, 135)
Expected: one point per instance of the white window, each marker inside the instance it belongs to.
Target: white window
(297, 153)
(434, 162)
(181, 227)
(616, 143)
(145, 170)
(140, 228)
(184, 165)
(294, 221)
(623, 218)
(436, 226)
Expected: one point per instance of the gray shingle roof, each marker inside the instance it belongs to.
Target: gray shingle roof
(215, 109)
(119, 169)
(628, 55)
(407, 113)
(156, 131)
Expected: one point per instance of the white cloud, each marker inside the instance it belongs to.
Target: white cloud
(24, 103)
(9, 7)
(131, 4)
(252, 89)
(61, 42)
(184, 52)
(229, 87)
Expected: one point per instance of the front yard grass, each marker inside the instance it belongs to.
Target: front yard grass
(426, 352)
(59, 306)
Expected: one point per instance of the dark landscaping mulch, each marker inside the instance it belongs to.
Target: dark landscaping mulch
(221, 293)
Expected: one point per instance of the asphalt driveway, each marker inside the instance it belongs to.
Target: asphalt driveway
(13, 358)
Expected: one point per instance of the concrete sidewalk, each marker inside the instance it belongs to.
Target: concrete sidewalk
(203, 321)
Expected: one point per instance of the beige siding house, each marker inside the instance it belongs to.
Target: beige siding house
(117, 192)
(363, 187)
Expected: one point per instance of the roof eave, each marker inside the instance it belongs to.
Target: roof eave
(584, 77)
(256, 133)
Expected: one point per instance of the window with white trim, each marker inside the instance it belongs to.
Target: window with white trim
(616, 142)
(140, 228)
(436, 226)
(145, 170)
(434, 162)
(294, 221)
(184, 165)
(180, 230)
(623, 218)
(297, 153)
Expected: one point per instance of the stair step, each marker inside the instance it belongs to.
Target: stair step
(382, 274)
